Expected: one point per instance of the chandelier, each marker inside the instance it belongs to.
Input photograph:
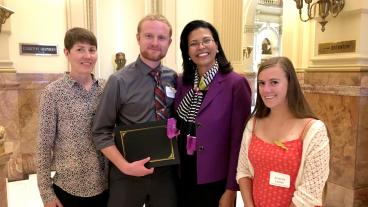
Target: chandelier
(325, 7)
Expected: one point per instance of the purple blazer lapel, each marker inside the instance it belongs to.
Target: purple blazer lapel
(213, 89)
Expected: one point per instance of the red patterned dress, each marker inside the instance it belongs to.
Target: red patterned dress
(266, 157)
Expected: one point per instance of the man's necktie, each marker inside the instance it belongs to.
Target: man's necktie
(160, 97)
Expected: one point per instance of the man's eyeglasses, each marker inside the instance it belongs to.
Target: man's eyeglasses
(204, 42)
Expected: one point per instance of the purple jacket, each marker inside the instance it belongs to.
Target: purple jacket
(220, 124)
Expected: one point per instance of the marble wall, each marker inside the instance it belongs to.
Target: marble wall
(340, 99)
(4, 158)
(19, 105)
(19, 115)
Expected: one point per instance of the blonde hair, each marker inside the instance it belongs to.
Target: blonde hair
(154, 17)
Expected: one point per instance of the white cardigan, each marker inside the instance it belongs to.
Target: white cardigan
(314, 166)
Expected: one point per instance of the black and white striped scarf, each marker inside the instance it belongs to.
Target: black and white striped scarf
(189, 106)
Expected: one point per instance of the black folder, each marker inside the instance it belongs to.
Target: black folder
(138, 141)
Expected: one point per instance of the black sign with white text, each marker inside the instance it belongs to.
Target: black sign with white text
(37, 49)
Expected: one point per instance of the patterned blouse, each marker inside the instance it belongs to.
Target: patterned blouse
(65, 140)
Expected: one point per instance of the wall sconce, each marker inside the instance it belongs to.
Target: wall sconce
(4, 14)
(325, 7)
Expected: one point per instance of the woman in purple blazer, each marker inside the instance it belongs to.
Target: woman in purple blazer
(212, 104)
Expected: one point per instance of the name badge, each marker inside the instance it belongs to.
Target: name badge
(279, 179)
(170, 92)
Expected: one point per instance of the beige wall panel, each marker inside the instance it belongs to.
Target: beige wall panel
(116, 29)
(169, 10)
(37, 21)
(187, 11)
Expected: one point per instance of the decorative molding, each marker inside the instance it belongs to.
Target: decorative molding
(339, 57)
(336, 90)
(248, 74)
(68, 14)
(90, 15)
(4, 14)
(337, 68)
(153, 6)
(168, 8)
(339, 62)
(354, 12)
(6, 66)
(229, 24)
(7, 70)
(81, 13)
(252, 28)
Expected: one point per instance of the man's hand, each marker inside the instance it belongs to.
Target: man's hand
(54, 203)
(138, 169)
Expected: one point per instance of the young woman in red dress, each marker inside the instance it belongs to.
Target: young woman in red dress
(284, 156)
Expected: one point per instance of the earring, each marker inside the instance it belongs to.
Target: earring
(190, 58)
(217, 51)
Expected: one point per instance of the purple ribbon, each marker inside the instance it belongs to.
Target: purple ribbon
(191, 144)
(171, 129)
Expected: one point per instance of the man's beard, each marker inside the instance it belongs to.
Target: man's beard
(152, 56)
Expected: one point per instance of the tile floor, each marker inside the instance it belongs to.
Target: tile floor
(28, 190)
(30, 195)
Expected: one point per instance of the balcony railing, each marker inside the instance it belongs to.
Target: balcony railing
(276, 3)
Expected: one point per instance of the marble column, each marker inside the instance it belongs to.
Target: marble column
(249, 31)
(9, 118)
(80, 13)
(342, 103)
(336, 86)
(3, 175)
(19, 101)
(229, 23)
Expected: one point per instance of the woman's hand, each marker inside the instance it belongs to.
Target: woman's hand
(54, 203)
(228, 198)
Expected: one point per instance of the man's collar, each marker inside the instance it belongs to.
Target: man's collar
(145, 69)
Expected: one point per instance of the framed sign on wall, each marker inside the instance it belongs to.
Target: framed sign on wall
(37, 49)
